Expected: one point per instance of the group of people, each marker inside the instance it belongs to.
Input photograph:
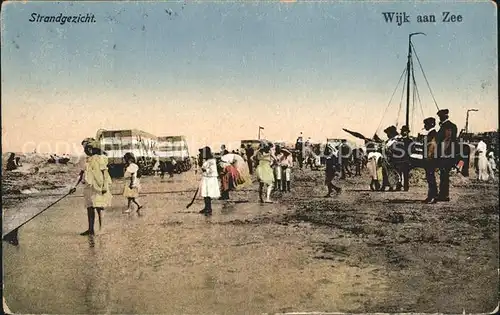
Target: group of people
(390, 161)
(97, 183)
(220, 176)
(13, 162)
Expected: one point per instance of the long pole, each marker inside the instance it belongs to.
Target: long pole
(467, 122)
(408, 70)
(259, 134)
(467, 119)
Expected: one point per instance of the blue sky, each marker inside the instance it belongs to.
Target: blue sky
(215, 71)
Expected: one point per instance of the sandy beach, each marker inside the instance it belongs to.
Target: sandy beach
(361, 251)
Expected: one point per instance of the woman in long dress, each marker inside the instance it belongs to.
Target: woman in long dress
(375, 169)
(132, 184)
(209, 185)
(492, 165)
(264, 171)
(482, 161)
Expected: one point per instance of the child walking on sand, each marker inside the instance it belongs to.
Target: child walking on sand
(132, 185)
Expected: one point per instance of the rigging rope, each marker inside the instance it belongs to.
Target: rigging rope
(418, 96)
(387, 107)
(425, 77)
(401, 103)
(413, 105)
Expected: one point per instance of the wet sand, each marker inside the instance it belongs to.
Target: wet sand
(358, 252)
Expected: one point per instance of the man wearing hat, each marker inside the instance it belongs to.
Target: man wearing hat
(402, 158)
(331, 163)
(430, 155)
(389, 176)
(345, 158)
(446, 152)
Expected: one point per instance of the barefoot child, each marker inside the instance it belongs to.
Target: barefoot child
(132, 185)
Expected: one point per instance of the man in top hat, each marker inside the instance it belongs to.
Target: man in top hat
(446, 152)
(430, 154)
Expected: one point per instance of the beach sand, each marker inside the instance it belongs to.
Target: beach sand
(361, 251)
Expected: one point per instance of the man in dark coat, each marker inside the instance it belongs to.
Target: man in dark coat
(299, 149)
(330, 171)
(402, 158)
(430, 155)
(250, 152)
(446, 145)
(389, 176)
(345, 158)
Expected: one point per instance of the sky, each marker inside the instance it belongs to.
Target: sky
(216, 71)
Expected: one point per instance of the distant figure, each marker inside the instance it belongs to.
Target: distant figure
(345, 156)
(402, 160)
(223, 150)
(331, 161)
(466, 151)
(492, 166)
(264, 171)
(229, 176)
(196, 165)
(286, 165)
(430, 158)
(446, 151)
(242, 152)
(249, 153)
(299, 150)
(156, 166)
(132, 184)
(278, 171)
(11, 162)
(375, 167)
(358, 160)
(482, 161)
(209, 186)
(167, 166)
(391, 177)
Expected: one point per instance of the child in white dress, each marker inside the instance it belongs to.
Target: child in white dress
(132, 184)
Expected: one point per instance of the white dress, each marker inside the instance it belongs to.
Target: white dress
(131, 177)
(210, 180)
(482, 162)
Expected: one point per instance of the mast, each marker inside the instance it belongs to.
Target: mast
(408, 72)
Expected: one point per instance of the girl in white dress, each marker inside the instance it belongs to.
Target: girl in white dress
(132, 184)
(209, 185)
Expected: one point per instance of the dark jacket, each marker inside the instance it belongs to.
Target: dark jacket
(431, 148)
(446, 140)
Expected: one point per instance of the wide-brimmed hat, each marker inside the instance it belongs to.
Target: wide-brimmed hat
(405, 128)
